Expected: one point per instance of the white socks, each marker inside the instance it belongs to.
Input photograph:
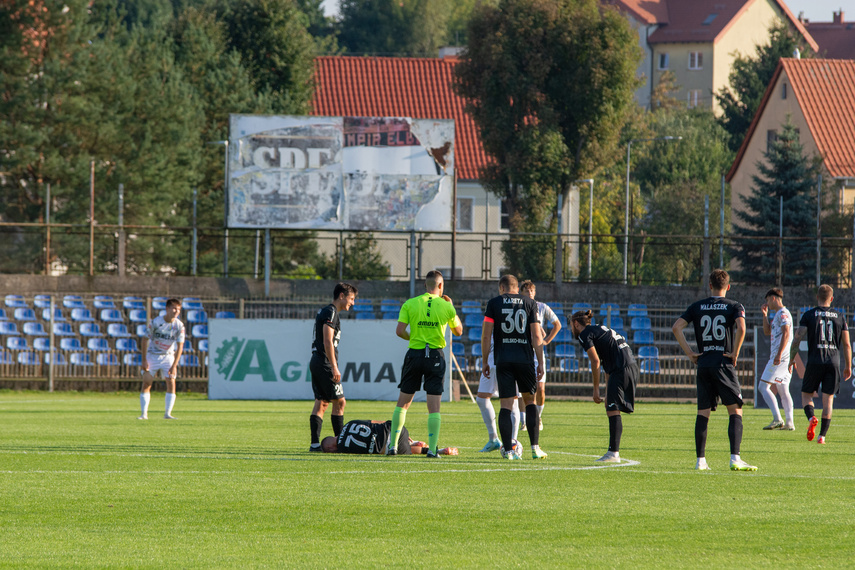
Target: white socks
(145, 398)
(771, 401)
(539, 411)
(170, 401)
(786, 402)
(515, 417)
(489, 415)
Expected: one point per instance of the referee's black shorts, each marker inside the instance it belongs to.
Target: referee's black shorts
(423, 364)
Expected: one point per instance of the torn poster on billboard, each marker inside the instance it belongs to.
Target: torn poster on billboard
(348, 173)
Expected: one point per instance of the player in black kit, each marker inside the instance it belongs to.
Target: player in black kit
(827, 333)
(719, 325)
(511, 320)
(607, 347)
(326, 377)
(364, 436)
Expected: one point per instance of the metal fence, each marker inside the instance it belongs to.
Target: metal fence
(651, 260)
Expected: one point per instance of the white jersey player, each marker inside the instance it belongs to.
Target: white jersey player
(777, 371)
(161, 351)
(545, 316)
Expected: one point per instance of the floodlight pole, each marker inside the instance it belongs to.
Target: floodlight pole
(626, 214)
(225, 144)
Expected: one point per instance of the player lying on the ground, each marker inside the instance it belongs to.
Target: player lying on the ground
(366, 436)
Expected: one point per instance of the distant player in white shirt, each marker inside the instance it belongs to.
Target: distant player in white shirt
(161, 351)
(545, 315)
(777, 371)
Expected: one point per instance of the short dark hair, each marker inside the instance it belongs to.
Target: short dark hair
(433, 278)
(583, 317)
(774, 292)
(719, 279)
(824, 293)
(527, 284)
(508, 282)
(173, 302)
(345, 288)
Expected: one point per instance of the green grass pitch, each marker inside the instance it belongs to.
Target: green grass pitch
(232, 485)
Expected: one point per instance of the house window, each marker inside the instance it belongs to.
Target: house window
(464, 214)
(696, 60)
(663, 61)
(446, 271)
(694, 98)
(771, 136)
(783, 91)
(504, 216)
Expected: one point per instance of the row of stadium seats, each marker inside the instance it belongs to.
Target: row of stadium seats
(606, 309)
(73, 344)
(33, 358)
(83, 315)
(100, 302)
(87, 329)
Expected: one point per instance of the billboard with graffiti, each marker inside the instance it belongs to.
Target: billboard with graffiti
(268, 359)
(348, 173)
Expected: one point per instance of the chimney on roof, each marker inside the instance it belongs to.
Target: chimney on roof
(802, 17)
(837, 17)
(797, 54)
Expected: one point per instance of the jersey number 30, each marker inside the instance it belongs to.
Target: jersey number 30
(515, 319)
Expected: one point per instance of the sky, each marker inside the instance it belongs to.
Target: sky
(815, 10)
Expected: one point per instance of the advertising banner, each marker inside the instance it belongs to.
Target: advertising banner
(342, 173)
(268, 359)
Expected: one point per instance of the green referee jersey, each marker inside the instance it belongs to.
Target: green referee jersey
(428, 315)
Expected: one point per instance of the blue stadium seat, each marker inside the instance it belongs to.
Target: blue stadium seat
(90, 329)
(203, 345)
(188, 360)
(126, 345)
(159, 303)
(642, 337)
(199, 331)
(57, 315)
(133, 359)
(137, 316)
(112, 316)
(80, 359)
(224, 315)
(70, 344)
(565, 350)
(41, 343)
(188, 346)
(3, 316)
(197, 317)
(563, 320)
(29, 358)
(24, 314)
(34, 329)
(363, 308)
(581, 306)
(614, 322)
(142, 330)
(73, 302)
(6, 357)
(16, 302)
(117, 330)
(476, 349)
(365, 316)
(606, 308)
(568, 365)
(81, 315)
(62, 329)
(98, 344)
(474, 334)
(564, 335)
(191, 303)
(637, 310)
(390, 307)
(107, 359)
(473, 320)
(102, 302)
(17, 343)
(650, 366)
(648, 352)
(42, 301)
(557, 307)
(471, 307)
(640, 324)
(457, 349)
(131, 303)
(7, 328)
(391, 315)
(60, 359)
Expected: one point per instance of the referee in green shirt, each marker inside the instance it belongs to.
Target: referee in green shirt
(426, 316)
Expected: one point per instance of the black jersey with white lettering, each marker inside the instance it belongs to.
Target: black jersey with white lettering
(512, 316)
(825, 328)
(613, 351)
(714, 319)
(328, 316)
(363, 436)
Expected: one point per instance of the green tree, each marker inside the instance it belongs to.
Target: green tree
(550, 85)
(750, 76)
(394, 27)
(785, 173)
(362, 260)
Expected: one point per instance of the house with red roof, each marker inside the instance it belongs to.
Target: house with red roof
(836, 39)
(421, 88)
(698, 41)
(818, 95)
